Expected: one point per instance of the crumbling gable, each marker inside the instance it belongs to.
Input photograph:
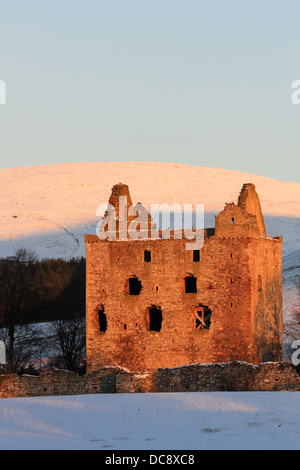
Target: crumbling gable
(243, 219)
(249, 201)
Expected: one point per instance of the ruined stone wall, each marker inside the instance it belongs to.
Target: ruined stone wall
(244, 219)
(266, 297)
(224, 277)
(249, 201)
(234, 376)
(233, 221)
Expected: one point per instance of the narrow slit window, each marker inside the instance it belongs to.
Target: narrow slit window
(259, 283)
(147, 256)
(102, 320)
(232, 220)
(196, 256)
(155, 318)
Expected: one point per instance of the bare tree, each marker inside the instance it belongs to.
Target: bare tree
(30, 345)
(68, 343)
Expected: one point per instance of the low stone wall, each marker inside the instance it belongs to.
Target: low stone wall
(60, 382)
(231, 376)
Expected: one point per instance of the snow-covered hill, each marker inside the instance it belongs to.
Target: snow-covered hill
(48, 209)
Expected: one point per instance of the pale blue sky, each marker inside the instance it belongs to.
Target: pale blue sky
(205, 83)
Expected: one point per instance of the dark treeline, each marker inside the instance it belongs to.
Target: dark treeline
(34, 290)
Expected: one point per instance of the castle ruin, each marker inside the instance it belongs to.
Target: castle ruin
(151, 303)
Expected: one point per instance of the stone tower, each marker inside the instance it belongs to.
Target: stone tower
(150, 303)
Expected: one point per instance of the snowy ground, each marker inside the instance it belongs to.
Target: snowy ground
(178, 421)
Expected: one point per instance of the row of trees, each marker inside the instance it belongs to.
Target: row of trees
(42, 312)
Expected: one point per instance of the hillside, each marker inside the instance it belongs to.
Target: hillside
(49, 208)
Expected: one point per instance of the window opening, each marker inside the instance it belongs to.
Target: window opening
(135, 286)
(202, 318)
(102, 320)
(155, 318)
(190, 284)
(259, 282)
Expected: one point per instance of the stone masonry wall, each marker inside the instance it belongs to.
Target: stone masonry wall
(225, 284)
(232, 376)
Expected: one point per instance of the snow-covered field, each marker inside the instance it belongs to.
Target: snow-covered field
(170, 421)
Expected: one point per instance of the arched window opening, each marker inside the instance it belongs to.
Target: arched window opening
(102, 320)
(154, 318)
